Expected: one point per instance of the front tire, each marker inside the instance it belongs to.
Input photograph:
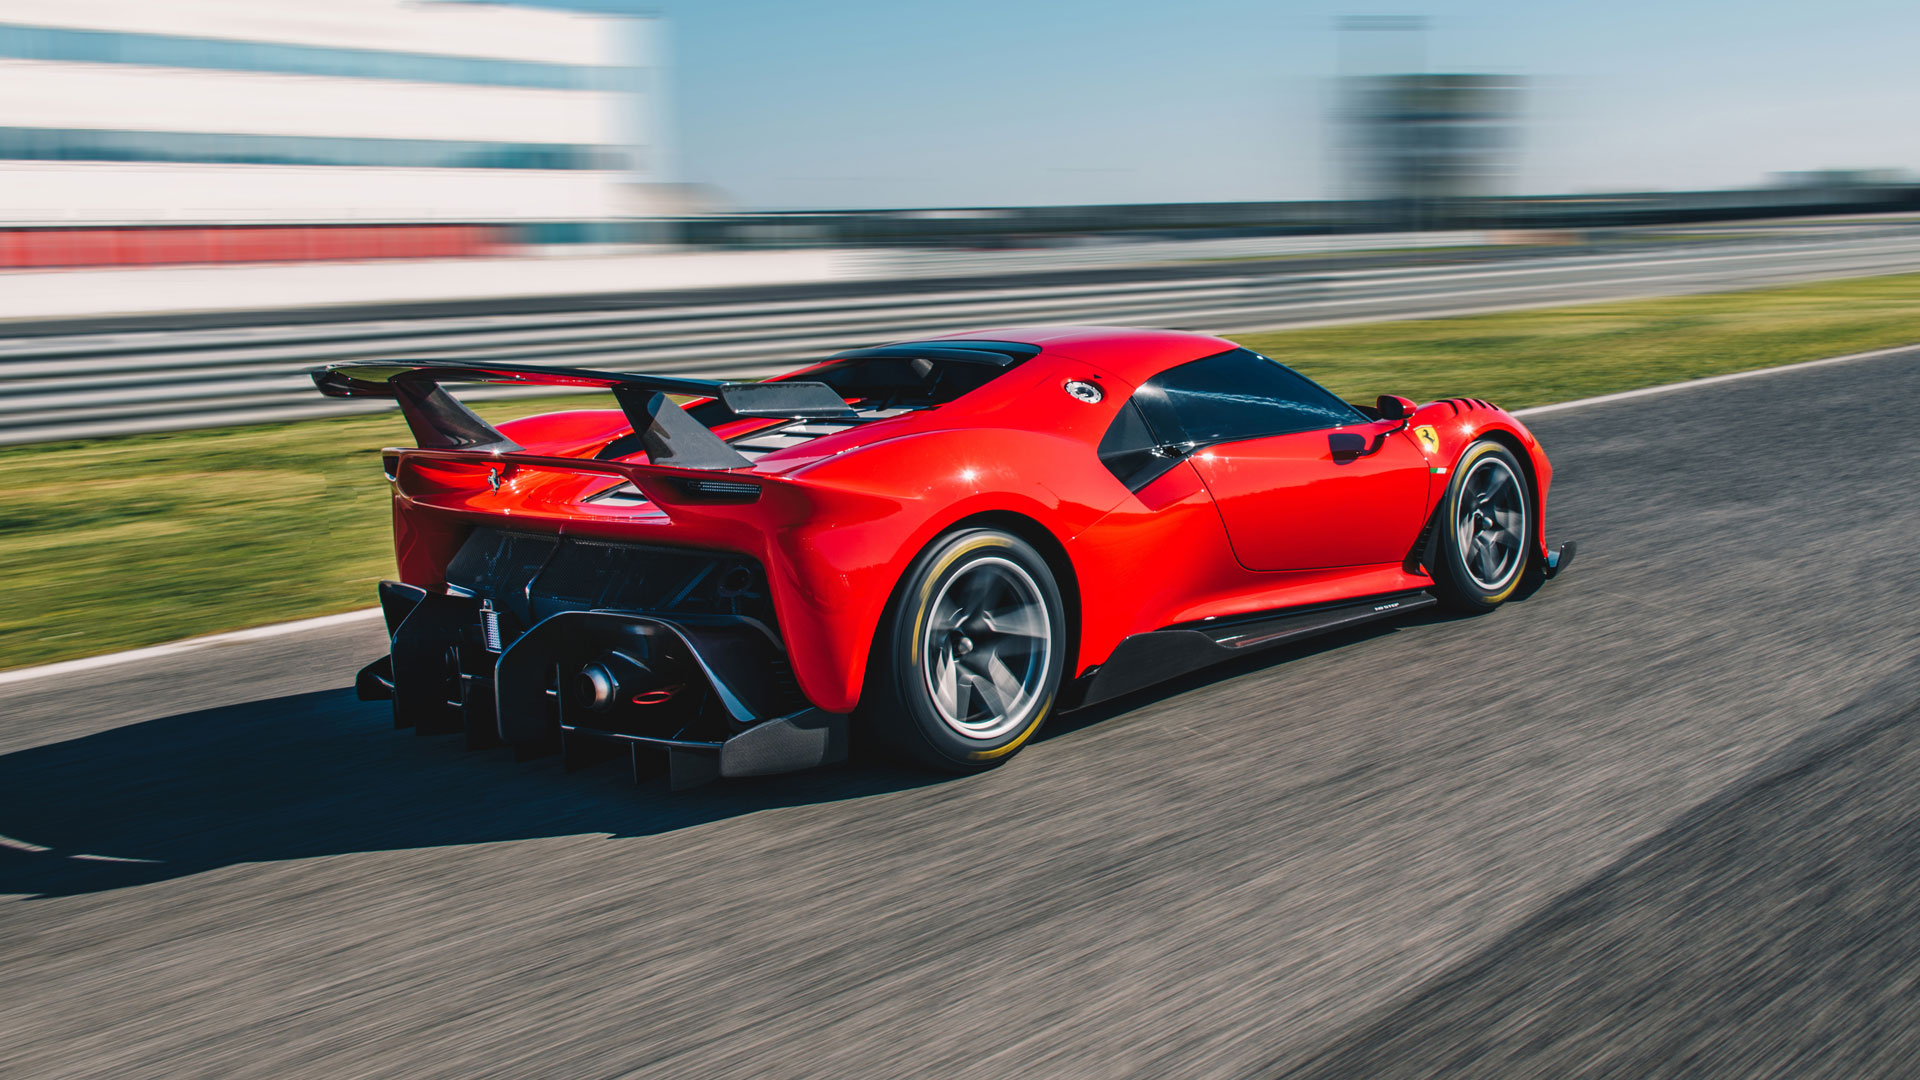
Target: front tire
(1485, 525)
(968, 659)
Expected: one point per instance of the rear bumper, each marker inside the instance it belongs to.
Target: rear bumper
(707, 696)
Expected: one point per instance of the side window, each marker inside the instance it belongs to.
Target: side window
(1130, 452)
(1238, 395)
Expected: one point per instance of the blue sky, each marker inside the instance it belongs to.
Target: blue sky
(937, 103)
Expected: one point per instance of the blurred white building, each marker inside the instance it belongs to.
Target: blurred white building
(134, 124)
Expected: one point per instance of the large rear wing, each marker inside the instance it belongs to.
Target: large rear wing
(663, 429)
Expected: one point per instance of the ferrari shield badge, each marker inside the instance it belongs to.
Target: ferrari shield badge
(1428, 437)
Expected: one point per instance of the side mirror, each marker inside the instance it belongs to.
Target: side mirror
(1395, 407)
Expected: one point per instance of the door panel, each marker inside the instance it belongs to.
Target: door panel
(1288, 505)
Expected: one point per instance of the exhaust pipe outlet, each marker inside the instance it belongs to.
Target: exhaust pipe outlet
(609, 680)
(595, 688)
(637, 676)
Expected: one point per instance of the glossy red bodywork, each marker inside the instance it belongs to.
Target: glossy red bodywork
(1240, 528)
(1345, 513)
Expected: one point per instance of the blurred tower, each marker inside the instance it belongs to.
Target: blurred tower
(1411, 139)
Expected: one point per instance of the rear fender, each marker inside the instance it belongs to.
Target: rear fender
(930, 483)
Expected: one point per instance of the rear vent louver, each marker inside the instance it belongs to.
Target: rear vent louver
(753, 447)
(625, 495)
(770, 440)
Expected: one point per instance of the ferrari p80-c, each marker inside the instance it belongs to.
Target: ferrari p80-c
(934, 545)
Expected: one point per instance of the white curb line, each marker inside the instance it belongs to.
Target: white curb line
(1650, 391)
(323, 622)
(273, 630)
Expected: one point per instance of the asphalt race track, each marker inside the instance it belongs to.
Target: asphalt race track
(1657, 819)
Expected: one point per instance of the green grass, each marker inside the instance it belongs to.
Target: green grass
(1525, 358)
(117, 543)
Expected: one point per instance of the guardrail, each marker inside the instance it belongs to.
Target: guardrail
(90, 385)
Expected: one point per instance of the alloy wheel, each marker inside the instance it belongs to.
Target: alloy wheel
(986, 647)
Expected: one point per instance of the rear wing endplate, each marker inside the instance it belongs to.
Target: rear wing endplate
(670, 437)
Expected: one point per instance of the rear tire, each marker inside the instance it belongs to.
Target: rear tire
(1485, 524)
(968, 659)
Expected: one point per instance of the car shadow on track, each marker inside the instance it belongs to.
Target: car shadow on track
(1080, 718)
(323, 774)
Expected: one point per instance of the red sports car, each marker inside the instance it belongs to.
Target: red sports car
(933, 544)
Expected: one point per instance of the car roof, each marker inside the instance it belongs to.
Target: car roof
(1132, 353)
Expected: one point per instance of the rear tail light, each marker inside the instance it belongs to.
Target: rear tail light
(660, 696)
